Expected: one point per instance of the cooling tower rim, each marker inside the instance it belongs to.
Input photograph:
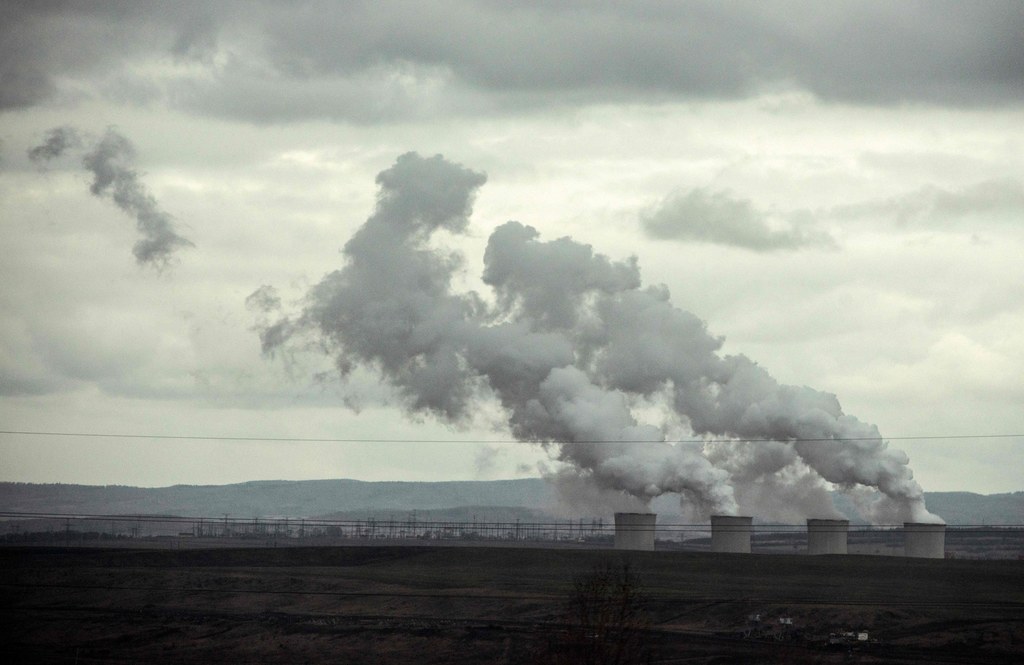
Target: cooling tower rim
(823, 521)
(924, 526)
(640, 514)
(732, 519)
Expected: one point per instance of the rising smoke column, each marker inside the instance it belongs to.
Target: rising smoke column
(110, 160)
(569, 343)
(633, 340)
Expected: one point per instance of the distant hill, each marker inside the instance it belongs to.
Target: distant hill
(468, 514)
(970, 508)
(304, 498)
(958, 507)
(494, 500)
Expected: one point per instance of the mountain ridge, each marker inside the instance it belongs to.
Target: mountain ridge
(309, 498)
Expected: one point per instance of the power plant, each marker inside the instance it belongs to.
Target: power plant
(635, 531)
(731, 533)
(923, 540)
(827, 536)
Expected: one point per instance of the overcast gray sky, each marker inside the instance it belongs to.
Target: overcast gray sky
(836, 189)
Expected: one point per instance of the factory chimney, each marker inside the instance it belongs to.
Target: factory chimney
(634, 531)
(924, 540)
(827, 536)
(730, 533)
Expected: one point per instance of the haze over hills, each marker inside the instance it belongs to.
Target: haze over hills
(304, 498)
(529, 498)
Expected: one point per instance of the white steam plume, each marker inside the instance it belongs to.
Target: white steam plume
(569, 344)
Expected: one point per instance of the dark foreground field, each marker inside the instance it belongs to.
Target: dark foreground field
(479, 605)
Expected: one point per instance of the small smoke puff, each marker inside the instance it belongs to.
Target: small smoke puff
(110, 161)
(264, 299)
(485, 459)
(57, 142)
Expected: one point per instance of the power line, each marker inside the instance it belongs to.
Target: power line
(292, 439)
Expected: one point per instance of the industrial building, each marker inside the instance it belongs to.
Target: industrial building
(827, 536)
(730, 533)
(925, 541)
(635, 531)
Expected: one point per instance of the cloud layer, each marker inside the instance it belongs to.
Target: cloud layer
(377, 61)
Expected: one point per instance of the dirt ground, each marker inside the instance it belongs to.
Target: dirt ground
(494, 605)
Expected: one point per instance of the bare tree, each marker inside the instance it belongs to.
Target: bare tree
(606, 620)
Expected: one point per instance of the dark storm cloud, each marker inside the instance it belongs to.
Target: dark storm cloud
(43, 41)
(717, 217)
(875, 52)
(381, 60)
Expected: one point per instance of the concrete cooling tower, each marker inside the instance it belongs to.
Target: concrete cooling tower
(634, 531)
(730, 533)
(827, 536)
(926, 541)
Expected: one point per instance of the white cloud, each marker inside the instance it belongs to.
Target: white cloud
(999, 201)
(702, 215)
